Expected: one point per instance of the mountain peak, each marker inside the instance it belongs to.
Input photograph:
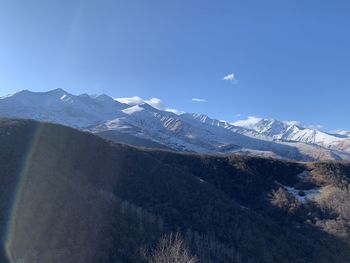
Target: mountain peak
(25, 92)
(104, 97)
(57, 92)
(85, 95)
(146, 106)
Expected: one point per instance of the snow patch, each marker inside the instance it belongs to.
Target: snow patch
(6, 96)
(306, 196)
(133, 109)
(66, 98)
(117, 124)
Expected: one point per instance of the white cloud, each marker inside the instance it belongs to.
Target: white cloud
(154, 102)
(130, 101)
(248, 123)
(229, 77)
(175, 111)
(159, 105)
(199, 100)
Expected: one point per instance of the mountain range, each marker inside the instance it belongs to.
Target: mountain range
(144, 125)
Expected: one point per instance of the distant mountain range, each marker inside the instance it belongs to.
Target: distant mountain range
(144, 125)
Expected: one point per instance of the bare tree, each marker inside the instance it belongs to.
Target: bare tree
(170, 249)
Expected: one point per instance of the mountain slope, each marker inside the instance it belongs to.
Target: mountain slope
(182, 133)
(69, 196)
(129, 139)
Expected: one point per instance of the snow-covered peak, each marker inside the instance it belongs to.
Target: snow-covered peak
(288, 131)
(268, 127)
(148, 107)
(197, 116)
(60, 95)
(60, 106)
(104, 97)
(56, 92)
(271, 127)
(205, 119)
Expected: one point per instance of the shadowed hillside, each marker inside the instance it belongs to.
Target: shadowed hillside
(68, 196)
(130, 140)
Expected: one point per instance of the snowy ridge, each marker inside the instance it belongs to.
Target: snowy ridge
(60, 107)
(184, 132)
(292, 132)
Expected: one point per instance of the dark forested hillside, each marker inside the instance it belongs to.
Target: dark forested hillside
(68, 196)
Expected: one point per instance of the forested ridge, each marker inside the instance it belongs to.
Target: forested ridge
(86, 199)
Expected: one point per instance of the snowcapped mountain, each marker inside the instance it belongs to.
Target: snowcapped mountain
(313, 143)
(141, 122)
(293, 132)
(60, 107)
(185, 132)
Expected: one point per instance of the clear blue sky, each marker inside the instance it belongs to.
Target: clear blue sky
(291, 59)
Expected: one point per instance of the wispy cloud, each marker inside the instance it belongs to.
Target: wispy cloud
(131, 100)
(177, 112)
(156, 103)
(230, 78)
(199, 100)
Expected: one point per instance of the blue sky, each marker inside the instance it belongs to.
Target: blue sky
(290, 59)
